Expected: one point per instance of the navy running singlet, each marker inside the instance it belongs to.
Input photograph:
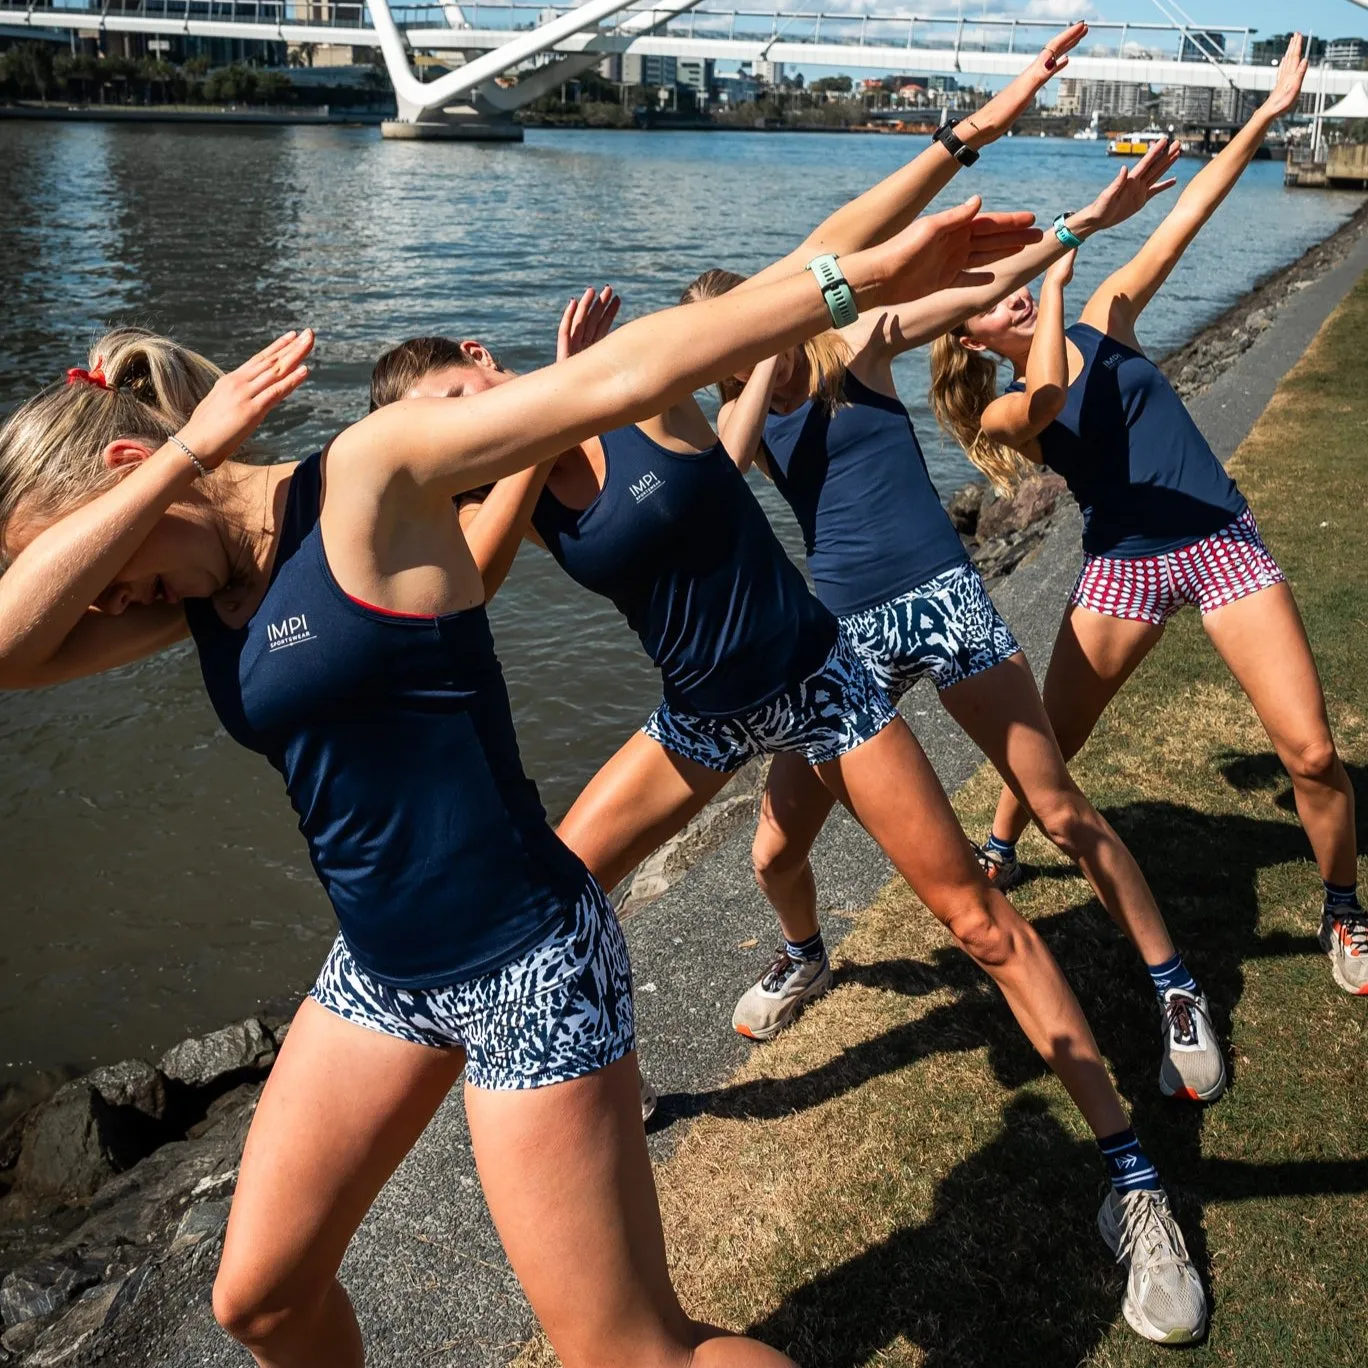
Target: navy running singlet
(679, 544)
(1143, 474)
(857, 481)
(395, 739)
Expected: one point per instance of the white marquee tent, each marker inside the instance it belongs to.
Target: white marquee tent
(1353, 106)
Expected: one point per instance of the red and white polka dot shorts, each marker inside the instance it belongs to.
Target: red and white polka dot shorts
(1227, 565)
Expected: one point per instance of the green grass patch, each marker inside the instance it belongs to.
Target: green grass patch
(898, 1181)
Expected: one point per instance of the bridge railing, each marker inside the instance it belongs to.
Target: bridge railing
(798, 26)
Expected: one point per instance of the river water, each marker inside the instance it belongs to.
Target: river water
(153, 880)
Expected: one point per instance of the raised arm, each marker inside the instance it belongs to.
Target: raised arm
(896, 200)
(496, 524)
(1119, 300)
(47, 629)
(741, 422)
(905, 326)
(1016, 419)
(440, 447)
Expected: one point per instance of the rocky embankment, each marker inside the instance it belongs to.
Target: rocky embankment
(114, 1189)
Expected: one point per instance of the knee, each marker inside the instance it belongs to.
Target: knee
(775, 860)
(1067, 819)
(248, 1311)
(1313, 762)
(986, 929)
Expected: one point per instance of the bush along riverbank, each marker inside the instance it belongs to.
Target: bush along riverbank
(114, 1190)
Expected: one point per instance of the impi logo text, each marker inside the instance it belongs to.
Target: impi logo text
(646, 486)
(289, 631)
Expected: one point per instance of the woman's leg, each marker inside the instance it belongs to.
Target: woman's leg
(644, 795)
(1263, 643)
(568, 1181)
(1093, 656)
(342, 1107)
(889, 785)
(793, 811)
(1003, 715)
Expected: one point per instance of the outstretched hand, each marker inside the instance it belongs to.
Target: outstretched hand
(943, 251)
(585, 320)
(233, 410)
(1012, 101)
(1061, 272)
(1291, 73)
(1134, 186)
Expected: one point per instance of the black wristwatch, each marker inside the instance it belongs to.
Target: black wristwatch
(961, 151)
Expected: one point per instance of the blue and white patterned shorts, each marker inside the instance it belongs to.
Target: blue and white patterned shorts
(838, 707)
(559, 1011)
(944, 630)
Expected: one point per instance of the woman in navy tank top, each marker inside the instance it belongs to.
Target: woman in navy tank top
(340, 623)
(824, 423)
(658, 518)
(1164, 525)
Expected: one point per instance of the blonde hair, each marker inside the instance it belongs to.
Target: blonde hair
(52, 447)
(827, 354)
(963, 384)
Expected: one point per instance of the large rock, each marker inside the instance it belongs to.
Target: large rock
(134, 1084)
(1034, 498)
(75, 1334)
(71, 1146)
(964, 506)
(221, 1057)
(35, 1292)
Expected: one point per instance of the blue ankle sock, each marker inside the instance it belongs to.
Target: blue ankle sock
(1340, 895)
(1172, 973)
(1128, 1166)
(811, 949)
(1004, 849)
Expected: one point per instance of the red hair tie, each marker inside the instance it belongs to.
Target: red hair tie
(76, 376)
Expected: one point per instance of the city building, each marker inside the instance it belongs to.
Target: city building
(767, 72)
(736, 88)
(1347, 53)
(1110, 99)
(1202, 45)
(695, 74)
(1269, 51)
(630, 69)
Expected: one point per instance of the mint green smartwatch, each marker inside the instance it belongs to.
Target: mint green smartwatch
(840, 298)
(1062, 232)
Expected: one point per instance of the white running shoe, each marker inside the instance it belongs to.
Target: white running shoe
(1164, 1299)
(650, 1100)
(780, 994)
(1344, 937)
(1193, 1065)
(1004, 872)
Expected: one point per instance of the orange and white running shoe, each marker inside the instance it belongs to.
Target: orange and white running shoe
(1344, 937)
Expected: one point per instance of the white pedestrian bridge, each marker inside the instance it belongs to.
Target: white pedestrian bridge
(487, 40)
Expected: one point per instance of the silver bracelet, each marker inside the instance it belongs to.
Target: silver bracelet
(200, 467)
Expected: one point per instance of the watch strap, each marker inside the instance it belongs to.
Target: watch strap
(1061, 231)
(954, 145)
(840, 298)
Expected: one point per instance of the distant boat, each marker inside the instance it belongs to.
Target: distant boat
(1135, 144)
(1092, 133)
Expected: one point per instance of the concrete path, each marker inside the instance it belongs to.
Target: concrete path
(426, 1271)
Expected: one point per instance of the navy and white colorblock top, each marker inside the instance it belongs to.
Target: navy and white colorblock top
(395, 739)
(678, 542)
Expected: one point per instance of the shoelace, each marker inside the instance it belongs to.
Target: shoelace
(1355, 928)
(1148, 1227)
(991, 863)
(780, 968)
(1180, 1016)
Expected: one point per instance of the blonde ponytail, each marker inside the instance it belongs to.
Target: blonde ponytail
(963, 384)
(827, 354)
(139, 385)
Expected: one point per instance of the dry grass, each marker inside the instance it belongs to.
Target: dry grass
(896, 1181)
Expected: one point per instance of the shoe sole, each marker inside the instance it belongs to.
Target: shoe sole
(1351, 989)
(769, 1032)
(1190, 1094)
(1135, 1318)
